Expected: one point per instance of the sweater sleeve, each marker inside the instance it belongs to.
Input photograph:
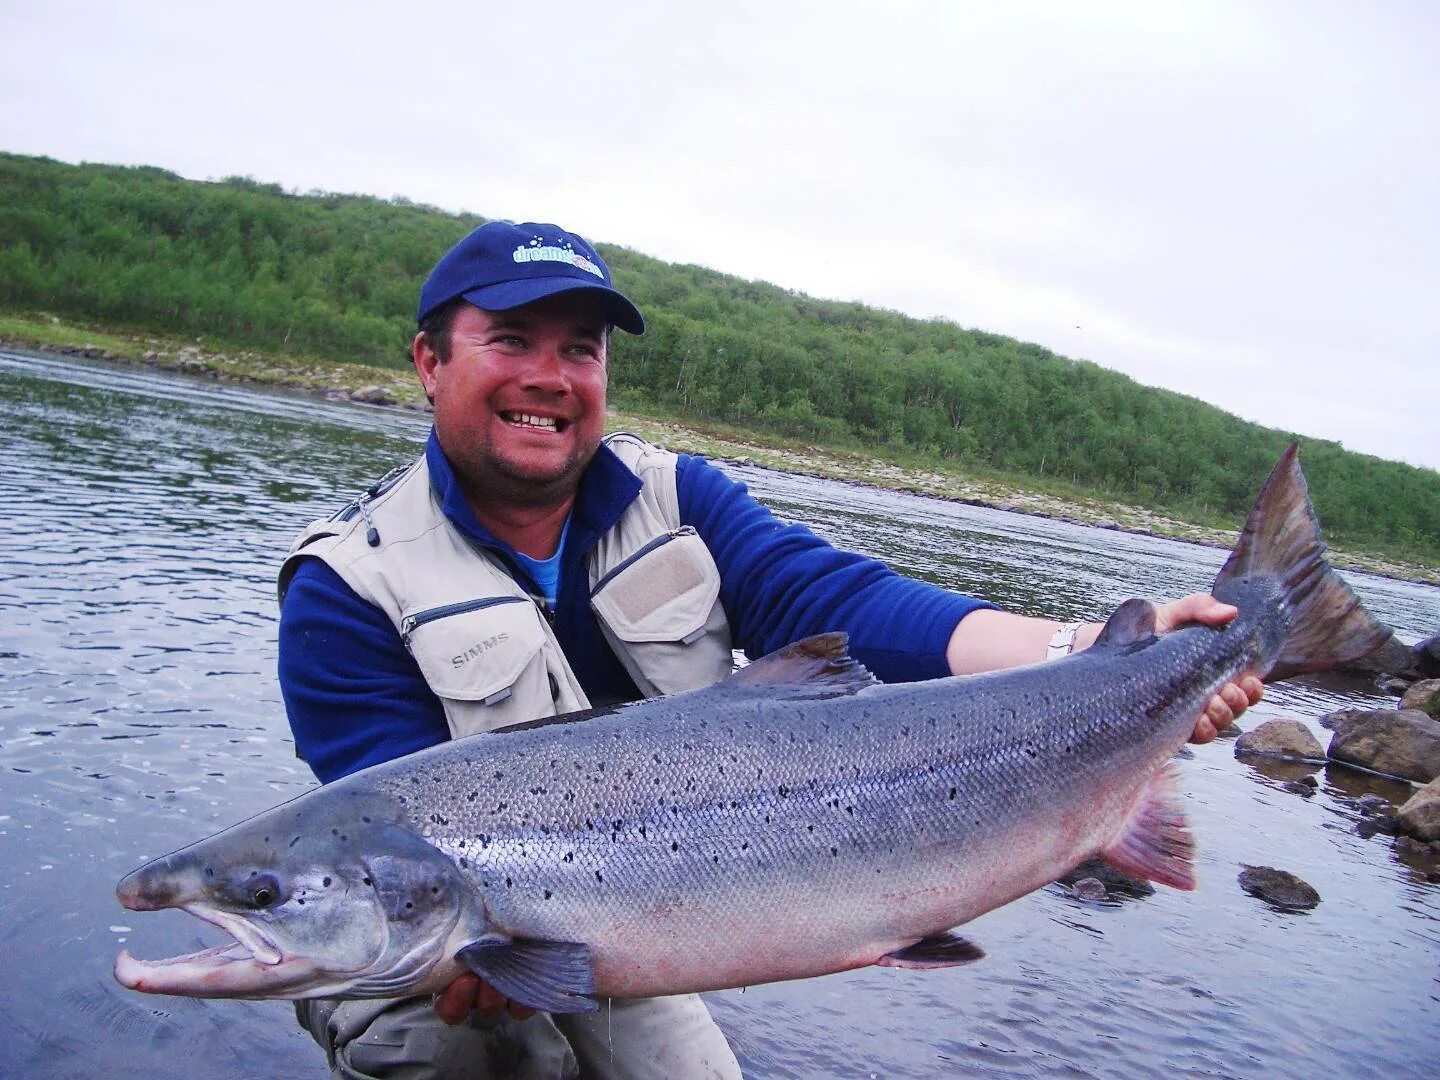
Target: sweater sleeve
(780, 583)
(354, 694)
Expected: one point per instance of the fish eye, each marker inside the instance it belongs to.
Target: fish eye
(262, 891)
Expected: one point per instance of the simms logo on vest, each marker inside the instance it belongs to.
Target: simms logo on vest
(480, 648)
(538, 251)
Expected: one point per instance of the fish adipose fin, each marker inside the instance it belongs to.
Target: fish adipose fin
(940, 951)
(1130, 627)
(552, 976)
(814, 667)
(1281, 546)
(1155, 842)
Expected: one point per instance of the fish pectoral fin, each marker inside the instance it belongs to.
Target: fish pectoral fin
(1155, 841)
(552, 976)
(940, 951)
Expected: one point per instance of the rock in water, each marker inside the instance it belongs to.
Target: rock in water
(1404, 744)
(1278, 888)
(1281, 738)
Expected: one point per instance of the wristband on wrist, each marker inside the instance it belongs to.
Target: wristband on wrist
(1063, 642)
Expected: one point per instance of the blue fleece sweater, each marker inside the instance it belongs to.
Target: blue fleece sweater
(355, 696)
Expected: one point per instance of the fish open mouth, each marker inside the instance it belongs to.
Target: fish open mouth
(253, 965)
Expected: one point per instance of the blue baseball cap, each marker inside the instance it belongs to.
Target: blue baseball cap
(502, 265)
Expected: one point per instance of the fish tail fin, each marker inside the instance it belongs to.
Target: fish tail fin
(1280, 544)
(1155, 841)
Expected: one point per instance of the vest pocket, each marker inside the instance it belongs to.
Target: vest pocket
(486, 654)
(662, 603)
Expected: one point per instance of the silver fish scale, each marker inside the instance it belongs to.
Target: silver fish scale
(796, 817)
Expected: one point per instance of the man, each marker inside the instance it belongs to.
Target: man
(522, 567)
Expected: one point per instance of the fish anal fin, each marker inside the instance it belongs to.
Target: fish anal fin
(816, 667)
(552, 976)
(1155, 841)
(938, 951)
(1130, 625)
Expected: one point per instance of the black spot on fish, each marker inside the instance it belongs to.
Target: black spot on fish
(408, 905)
(569, 856)
(366, 820)
(850, 810)
(782, 791)
(834, 851)
(548, 894)
(499, 775)
(325, 882)
(674, 845)
(508, 883)
(300, 902)
(471, 796)
(366, 880)
(294, 842)
(537, 790)
(715, 858)
(952, 793)
(745, 845)
(464, 863)
(267, 839)
(599, 876)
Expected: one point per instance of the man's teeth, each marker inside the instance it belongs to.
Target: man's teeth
(530, 420)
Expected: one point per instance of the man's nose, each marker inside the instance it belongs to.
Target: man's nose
(546, 369)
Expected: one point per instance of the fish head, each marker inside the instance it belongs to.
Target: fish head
(322, 898)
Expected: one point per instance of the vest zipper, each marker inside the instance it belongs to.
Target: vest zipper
(645, 549)
(411, 623)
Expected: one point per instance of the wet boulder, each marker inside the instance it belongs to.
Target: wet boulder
(1282, 738)
(1402, 743)
(1393, 657)
(372, 395)
(1278, 888)
(1097, 879)
(1427, 657)
(1420, 816)
(1425, 696)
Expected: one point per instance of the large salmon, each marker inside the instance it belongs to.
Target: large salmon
(794, 820)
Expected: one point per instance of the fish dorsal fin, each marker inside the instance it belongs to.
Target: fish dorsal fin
(1131, 626)
(814, 667)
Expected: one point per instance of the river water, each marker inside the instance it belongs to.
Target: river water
(144, 518)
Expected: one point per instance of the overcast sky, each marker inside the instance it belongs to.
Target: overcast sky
(1240, 202)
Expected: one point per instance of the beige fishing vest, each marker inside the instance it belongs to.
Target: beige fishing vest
(481, 641)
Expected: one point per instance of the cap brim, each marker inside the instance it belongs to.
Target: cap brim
(513, 294)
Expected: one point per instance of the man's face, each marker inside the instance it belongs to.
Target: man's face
(520, 404)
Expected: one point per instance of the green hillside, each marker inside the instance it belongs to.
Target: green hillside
(336, 276)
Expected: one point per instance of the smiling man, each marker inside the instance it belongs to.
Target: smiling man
(524, 566)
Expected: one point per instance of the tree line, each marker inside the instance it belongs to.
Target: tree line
(337, 276)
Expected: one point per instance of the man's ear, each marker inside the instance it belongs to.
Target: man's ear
(426, 361)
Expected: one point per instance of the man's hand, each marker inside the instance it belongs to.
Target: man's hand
(470, 992)
(1230, 700)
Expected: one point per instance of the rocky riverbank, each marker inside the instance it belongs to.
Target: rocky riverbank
(398, 388)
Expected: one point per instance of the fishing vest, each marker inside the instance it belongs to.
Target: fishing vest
(481, 640)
